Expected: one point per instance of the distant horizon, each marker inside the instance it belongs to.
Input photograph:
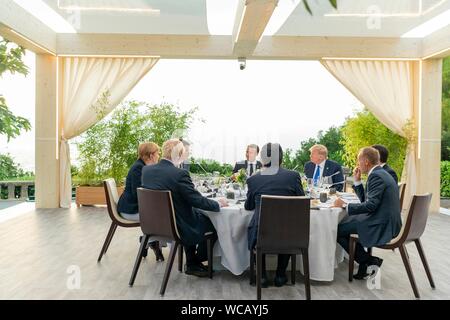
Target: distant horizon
(270, 101)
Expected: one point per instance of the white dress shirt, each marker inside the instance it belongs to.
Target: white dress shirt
(322, 167)
(248, 167)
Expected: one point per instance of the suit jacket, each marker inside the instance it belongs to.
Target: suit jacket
(391, 172)
(378, 214)
(243, 165)
(283, 183)
(190, 223)
(128, 202)
(330, 168)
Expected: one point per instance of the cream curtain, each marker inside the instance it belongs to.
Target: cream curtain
(91, 88)
(386, 88)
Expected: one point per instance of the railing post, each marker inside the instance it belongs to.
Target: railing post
(24, 191)
(11, 190)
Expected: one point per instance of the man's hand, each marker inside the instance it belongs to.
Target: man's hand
(222, 202)
(357, 174)
(339, 203)
(233, 177)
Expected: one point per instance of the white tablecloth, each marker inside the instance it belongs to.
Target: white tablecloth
(231, 224)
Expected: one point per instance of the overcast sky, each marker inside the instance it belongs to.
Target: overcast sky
(277, 101)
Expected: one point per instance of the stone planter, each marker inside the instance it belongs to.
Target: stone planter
(445, 203)
(90, 196)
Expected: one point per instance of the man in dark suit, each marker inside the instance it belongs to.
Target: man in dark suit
(384, 153)
(191, 223)
(272, 180)
(251, 165)
(320, 166)
(376, 219)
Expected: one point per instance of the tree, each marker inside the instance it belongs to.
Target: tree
(365, 130)
(332, 139)
(445, 146)
(10, 169)
(109, 148)
(11, 61)
(166, 119)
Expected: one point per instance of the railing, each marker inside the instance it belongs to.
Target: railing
(17, 190)
(20, 190)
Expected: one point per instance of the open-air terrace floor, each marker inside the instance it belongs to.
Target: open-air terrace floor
(42, 250)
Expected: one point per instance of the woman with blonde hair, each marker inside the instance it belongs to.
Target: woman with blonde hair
(148, 154)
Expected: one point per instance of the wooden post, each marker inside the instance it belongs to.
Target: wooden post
(429, 115)
(47, 158)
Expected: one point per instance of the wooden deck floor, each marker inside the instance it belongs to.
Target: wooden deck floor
(41, 250)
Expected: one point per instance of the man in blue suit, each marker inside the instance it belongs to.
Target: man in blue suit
(272, 180)
(377, 218)
(320, 166)
(191, 223)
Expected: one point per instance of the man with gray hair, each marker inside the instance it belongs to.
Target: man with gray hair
(376, 219)
(191, 223)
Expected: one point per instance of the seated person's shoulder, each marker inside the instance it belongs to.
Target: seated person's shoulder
(336, 164)
(240, 162)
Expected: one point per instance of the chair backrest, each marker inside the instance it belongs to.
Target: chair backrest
(112, 198)
(416, 219)
(283, 224)
(401, 191)
(156, 213)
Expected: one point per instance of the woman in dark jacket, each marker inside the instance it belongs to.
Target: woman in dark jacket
(128, 203)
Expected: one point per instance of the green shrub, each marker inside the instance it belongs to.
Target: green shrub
(445, 178)
(202, 166)
(364, 130)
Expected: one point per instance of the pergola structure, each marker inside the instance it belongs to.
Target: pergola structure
(388, 53)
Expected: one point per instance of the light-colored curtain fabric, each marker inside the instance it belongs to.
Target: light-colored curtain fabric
(386, 88)
(91, 88)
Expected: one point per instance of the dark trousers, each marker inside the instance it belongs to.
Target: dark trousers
(199, 253)
(282, 263)
(347, 227)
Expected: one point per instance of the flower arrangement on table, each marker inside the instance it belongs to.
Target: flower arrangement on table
(241, 177)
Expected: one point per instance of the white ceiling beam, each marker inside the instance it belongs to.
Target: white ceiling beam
(21, 27)
(291, 47)
(166, 46)
(437, 44)
(252, 21)
(221, 47)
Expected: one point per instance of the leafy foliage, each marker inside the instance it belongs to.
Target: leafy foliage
(365, 130)
(445, 147)
(202, 166)
(445, 178)
(109, 148)
(11, 61)
(9, 170)
(308, 8)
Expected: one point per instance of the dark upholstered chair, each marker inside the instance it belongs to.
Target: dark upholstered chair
(283, 229)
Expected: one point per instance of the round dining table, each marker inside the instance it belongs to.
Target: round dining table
(232, 222)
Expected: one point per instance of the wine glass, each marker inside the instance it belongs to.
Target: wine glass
(327, 182)
(310, 184)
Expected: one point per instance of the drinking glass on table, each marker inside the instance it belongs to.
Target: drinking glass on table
(310, 184)
(327, 182)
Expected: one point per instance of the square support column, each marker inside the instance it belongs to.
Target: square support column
(429, 118)
(47, 135)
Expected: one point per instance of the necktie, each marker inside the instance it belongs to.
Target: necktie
(251, 169)
(316, 176)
